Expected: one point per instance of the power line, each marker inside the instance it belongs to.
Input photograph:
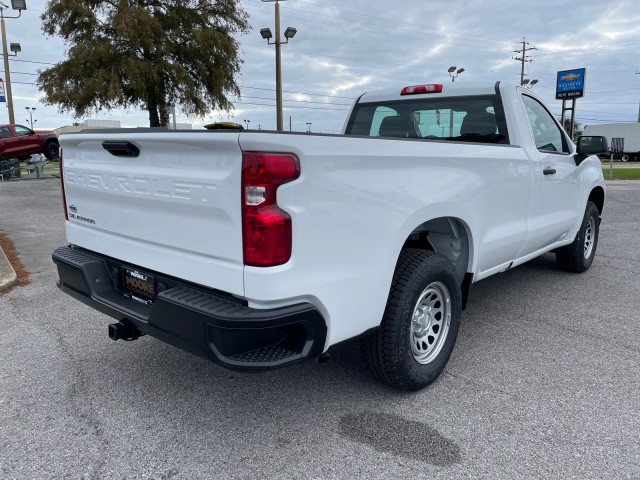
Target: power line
(292, 50)
(419, 35)
(294, 106)
(300, 101)
(298, 93)
(388, 20)
(31, 61)
(613, 45)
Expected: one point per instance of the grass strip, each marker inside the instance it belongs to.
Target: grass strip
(621, 173)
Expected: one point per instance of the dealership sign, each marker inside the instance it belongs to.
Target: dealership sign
(570, 84)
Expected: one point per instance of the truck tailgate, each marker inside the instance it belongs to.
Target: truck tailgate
(174, 208)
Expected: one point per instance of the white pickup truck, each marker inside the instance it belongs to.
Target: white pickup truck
(262, 249)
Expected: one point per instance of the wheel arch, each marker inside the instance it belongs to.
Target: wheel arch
(451, 237)
(597, 196)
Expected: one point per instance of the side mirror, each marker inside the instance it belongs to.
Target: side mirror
(592, 145)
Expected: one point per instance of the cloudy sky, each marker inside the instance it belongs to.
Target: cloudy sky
(344, 48)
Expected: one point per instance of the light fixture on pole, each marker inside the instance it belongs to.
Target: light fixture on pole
(453, 73)
(266, 34)
(30, 119)
(308, 127)
(528, 82)
(15, 48)
(247, 122)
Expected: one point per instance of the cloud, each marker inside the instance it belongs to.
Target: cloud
(342, 49)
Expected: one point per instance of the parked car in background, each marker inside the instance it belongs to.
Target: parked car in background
(18, 141)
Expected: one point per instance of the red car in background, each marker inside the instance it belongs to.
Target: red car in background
(18, 142)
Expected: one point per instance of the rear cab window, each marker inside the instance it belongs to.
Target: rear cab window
(463, 119)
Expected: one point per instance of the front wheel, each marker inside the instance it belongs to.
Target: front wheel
(578, 256)
(420, 322)
(625, 157)
(51, 150)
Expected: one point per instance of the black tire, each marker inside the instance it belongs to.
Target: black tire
(51, 150)
(7, 168)
(578, 256)
(407, 354)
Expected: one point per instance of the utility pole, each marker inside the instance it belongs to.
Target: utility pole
(15, 48)
(523, 58)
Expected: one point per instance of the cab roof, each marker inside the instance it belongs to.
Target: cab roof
(448, 89)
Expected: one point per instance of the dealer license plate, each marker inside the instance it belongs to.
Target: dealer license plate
(139, 285)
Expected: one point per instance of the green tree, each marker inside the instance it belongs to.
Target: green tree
(577, 128)
(148, 54)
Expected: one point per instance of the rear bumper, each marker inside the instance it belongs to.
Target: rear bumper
(201, 321)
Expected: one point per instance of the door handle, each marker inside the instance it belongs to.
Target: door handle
(549, 171)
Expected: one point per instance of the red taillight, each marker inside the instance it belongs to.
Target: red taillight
(415, 89)
(266, 228)
(64, 198)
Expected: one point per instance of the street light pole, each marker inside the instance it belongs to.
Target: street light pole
(266, 34)
(16, 5)
(278, 70)
(30, 119)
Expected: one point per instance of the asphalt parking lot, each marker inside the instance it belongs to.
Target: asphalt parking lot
(544, 382)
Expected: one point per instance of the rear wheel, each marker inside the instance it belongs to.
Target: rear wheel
(625, 157)
(578, 256)
(51, 150)
(420, 322)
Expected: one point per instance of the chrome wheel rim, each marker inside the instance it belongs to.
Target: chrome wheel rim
(430, 322)
(589, 237)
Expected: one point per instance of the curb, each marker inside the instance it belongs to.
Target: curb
(8, 277)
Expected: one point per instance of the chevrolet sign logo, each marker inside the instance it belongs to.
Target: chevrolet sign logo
(570, 76)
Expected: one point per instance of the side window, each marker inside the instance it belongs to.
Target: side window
(20, 130)
(547, 134)
(4, 132)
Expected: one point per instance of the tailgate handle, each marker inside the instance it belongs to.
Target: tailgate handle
(121, 149)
